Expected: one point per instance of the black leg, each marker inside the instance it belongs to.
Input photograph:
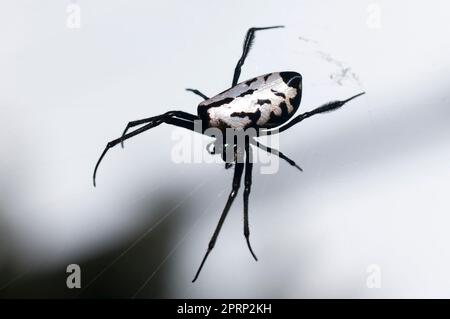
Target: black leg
(275, 152)
(179, 114)
(157, 121)
(247, 46)
(247, 188)
(328, 107)
(198, 93)
(239, 167)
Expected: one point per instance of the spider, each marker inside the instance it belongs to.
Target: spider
(264, 103)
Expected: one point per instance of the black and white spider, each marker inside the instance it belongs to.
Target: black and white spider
(262, 103)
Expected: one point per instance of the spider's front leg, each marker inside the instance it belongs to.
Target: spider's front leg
(176, 118)
(275, 152)
(247, 188)
(247, 46)
(160, 119)
(197, 92)
(325, 108)
(238, 170)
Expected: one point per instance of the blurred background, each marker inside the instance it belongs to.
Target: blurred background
(373, 199)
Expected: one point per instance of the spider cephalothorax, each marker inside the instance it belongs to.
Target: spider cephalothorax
(263, 105)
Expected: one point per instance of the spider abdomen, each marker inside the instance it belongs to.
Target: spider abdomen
(265, 101)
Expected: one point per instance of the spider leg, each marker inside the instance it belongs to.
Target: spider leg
(198, 93)
(239, 167)
(327, 107)
(168, 119)
(247, 188)
(179, 114)
(247, 46)
(276, 152)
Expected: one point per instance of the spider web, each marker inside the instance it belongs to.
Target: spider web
(177, 245)
(148, 232)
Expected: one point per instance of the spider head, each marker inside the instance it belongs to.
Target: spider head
(228, 152)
